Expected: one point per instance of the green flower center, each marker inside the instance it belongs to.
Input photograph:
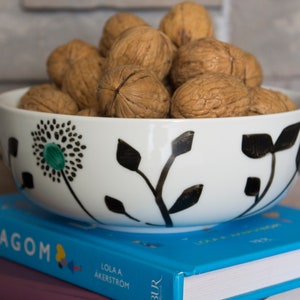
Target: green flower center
(54, 156)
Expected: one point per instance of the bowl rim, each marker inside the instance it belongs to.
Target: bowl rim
(9, 101)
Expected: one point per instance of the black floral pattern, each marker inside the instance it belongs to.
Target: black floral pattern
(57, 147)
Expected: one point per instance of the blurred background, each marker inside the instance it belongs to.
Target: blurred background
(31, 29)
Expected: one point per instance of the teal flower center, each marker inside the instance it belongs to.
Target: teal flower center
(54, 156)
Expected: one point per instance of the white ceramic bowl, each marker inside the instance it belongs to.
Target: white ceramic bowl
(147, 175)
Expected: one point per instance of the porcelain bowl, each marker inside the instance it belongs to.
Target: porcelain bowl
(150, 175)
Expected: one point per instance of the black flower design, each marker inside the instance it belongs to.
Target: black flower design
(57, 147)
(59, 151)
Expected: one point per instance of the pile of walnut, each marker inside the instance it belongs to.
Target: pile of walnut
(179, 70)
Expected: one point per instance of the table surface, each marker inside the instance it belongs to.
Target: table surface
(19, 282)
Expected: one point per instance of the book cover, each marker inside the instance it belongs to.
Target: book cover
(253, 256)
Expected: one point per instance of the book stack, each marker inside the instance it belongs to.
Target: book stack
(246, 259)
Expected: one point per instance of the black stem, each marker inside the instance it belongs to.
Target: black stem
(269, 183)
(147, 181)
(159, 187)
(131, 217)
(76, 198)
(276, 198)
(157, 192)
(270, 178)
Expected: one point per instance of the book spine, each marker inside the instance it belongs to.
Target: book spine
(97, 268)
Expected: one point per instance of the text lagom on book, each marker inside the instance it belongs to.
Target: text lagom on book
(27, 244)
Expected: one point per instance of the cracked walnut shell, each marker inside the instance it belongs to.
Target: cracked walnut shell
(132, 92)
(211, 95)
(143, 46)
(186, 22)
(46, 98)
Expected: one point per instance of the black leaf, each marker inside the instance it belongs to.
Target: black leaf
(188, 198)
(257, 145)
(298, 160)
(252, 186)
(127, 156)
(12, 148)
(182, 143)
(27, 180)
(115, 205)
(287, 137)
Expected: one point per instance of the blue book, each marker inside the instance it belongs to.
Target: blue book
(244, 259)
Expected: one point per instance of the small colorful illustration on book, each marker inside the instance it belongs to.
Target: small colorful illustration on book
(62, 260)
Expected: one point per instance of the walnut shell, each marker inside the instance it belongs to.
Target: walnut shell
(46, 98)
(207, 55)
(132, 92)
(143, 46)
(114, 26)
(38, 88)
(210, 95)
(288, 102)
(266, 101)
(253, 70)
(88, 112)
(65, 56)
(186, 22)
(81, 81)
(33, 91)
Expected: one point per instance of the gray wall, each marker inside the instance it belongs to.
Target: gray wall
(31, 29)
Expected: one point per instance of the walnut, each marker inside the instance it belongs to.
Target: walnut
(207, 55)
(33, 91)
(46, 98)
(88, 112)
(114, 26)
(288, 102)
(266, 101)
(132, 92)
(253, 70)
(210, 95)
(39, 87)
(65, 56)
(81, 81)
(186, 22)
(143, 46)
